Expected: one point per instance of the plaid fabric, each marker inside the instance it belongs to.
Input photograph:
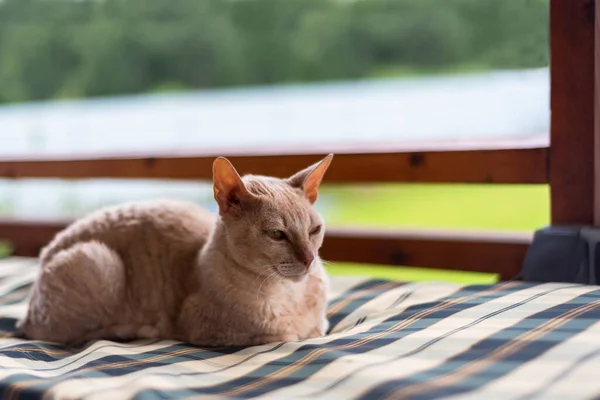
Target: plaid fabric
(388, 340)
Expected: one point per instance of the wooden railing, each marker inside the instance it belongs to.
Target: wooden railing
(570, 164)
(513, 162)
(491, 252)
(516, 161)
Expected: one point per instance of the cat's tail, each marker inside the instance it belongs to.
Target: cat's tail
(78, 290)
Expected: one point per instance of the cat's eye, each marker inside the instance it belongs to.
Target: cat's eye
(275, 234)
(316, 230)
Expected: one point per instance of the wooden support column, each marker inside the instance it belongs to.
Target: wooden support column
(575, 117)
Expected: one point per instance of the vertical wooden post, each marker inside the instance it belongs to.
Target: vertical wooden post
(574, 166)
(597, 113)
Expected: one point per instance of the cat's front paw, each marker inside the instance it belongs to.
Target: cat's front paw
(320, 330)
(324, 326)
(315, 333)
(264, 339)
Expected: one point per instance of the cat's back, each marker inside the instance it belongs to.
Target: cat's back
(176, 226)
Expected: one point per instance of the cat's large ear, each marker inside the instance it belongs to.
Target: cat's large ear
(310, 178)
(228, 186)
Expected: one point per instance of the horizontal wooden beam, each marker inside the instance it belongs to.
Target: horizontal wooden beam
(500, 253)
(28, 237)
(524, 162)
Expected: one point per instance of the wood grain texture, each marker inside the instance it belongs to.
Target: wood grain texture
(518, 165)
(597, 115)
(574, 130)
(28, 237)
(501, 253)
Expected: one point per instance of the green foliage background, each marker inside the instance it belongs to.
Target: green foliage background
(72, 49)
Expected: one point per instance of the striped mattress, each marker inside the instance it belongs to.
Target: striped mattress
(388, 341)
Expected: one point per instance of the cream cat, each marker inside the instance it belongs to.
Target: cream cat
(170, 270)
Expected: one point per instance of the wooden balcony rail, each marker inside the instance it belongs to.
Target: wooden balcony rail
(520, 161)
(491, 252)
(500, 253)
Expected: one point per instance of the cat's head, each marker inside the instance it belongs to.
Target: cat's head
(270, 224)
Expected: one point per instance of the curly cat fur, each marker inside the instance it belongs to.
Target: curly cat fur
(171, 270)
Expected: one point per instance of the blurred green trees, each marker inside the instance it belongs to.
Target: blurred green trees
(82, 48)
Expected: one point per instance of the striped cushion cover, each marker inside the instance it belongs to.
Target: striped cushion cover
(388, 341)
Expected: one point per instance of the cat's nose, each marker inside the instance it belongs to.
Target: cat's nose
(304, 254)
(307, 260)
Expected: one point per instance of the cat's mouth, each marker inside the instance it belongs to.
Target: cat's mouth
(291, 271)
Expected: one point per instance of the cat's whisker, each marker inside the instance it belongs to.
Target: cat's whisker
(263, 282)
(270, 265)
(266, 268)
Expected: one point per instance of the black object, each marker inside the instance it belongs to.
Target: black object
(563, 254)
